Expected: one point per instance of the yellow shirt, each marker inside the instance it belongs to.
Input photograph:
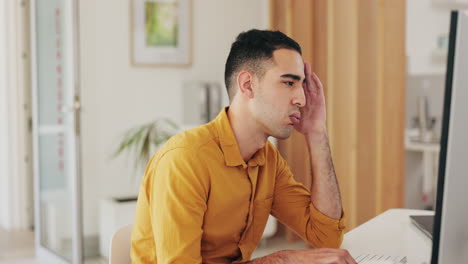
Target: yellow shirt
(199, 202)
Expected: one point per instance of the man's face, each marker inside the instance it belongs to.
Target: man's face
(279, 94)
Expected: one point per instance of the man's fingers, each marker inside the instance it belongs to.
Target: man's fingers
(349, 259)
(307, 69)
(342, 254)
(308, 76)
(317, 82)
(331, 255)
(311, 78)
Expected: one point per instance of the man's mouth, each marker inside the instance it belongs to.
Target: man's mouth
(295, 118)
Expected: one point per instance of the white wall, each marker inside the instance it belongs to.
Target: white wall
(117, 96)
(3, 121)
(425, 22)
(13, 203)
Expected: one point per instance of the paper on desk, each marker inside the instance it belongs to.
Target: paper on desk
(380, 259)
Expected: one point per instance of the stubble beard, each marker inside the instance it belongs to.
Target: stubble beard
(268, 116)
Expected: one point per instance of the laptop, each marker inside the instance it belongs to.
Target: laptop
(425, 223)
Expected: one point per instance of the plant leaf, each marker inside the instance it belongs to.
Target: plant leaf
(140, 141)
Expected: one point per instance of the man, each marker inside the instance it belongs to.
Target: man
(207, 193)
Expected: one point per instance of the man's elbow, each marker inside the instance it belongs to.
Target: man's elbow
(324, 240)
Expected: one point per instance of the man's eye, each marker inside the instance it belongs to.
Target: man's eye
(289, 83)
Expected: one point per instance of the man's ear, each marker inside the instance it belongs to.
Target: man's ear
(245, 80)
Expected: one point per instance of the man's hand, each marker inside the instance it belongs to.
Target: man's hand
(311, 256)
(324, 256)
(325, 194)
(313, 114)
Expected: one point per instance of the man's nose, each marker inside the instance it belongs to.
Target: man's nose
(299, 97)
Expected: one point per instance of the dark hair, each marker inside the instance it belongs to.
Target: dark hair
(252, 49)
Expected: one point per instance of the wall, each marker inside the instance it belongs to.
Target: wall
(3, 121)
(425, 22)
(13, 167)
(116, 95)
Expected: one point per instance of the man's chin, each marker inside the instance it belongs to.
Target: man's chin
(283, 134)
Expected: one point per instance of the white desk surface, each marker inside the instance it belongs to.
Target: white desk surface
(391, 233)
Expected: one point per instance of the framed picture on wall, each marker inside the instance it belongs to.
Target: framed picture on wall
(161, 32)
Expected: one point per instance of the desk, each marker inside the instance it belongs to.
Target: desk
(391, 233)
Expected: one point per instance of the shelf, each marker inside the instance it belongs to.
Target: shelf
(413, 145)
(422, 147)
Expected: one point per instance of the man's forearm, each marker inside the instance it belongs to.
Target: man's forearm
(322, 255)
(325, 193)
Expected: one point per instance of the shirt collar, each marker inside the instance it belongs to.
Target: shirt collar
(229, 146)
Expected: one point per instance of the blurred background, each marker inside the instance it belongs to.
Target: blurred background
(89, 89)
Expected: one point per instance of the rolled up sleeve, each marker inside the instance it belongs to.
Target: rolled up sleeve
(292, 206)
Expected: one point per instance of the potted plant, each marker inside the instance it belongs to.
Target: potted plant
(142, 141)
(139, 143)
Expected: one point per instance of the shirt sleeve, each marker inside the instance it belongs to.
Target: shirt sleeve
(178, 197)
(293, 207)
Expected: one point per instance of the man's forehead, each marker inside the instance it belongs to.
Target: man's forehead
(288, 62)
